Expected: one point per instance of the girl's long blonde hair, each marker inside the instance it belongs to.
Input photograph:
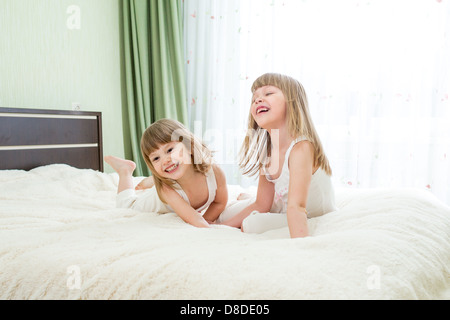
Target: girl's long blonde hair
(256, 148)
(165, 131)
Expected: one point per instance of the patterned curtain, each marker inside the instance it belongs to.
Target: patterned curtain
(377, 74)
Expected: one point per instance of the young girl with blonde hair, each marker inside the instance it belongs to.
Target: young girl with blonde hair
(186, 180)
(283, 146)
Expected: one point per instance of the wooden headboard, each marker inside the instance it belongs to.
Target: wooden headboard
(30, 138)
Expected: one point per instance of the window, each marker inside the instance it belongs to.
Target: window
(377, 75)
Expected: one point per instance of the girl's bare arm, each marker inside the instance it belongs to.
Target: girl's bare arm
(263, 203)
(220, 202)
(183, 209)
(301, 162)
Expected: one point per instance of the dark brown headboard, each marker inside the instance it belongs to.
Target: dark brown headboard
(30, 138)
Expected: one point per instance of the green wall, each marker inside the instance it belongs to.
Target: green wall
(57, 52)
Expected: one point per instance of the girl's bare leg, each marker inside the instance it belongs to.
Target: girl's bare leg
(125, 169)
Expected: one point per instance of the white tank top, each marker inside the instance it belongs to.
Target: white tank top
(321, 197)
(212, 187)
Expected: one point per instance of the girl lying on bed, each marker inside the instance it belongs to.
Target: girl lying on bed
(186, 180)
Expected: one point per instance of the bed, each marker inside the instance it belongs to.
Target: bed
(30, 138)
(61, 237)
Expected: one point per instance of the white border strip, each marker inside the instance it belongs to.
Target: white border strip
(49, 116)
(49, 146)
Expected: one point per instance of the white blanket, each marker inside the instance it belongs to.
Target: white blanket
(61, 237)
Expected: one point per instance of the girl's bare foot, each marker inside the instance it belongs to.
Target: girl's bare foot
(146, 183)
(244, 196)
(121, 166)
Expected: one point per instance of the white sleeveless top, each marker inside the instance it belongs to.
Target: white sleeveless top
(321, 197)
(212, 188)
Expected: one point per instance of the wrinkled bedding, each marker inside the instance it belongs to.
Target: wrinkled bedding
(61, 237)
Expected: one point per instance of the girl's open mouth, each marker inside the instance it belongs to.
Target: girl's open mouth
(261, 110)
(172, 168)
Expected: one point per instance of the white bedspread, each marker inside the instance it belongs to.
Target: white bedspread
(61, 237)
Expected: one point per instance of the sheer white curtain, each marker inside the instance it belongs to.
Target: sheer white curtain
(212, 52)
(377, 74)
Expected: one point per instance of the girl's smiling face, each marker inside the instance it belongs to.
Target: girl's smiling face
(171, 160)
(269, 107)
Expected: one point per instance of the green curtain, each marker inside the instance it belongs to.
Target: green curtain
(155, 85)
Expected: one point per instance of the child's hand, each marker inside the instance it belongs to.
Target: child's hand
(146, 183)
